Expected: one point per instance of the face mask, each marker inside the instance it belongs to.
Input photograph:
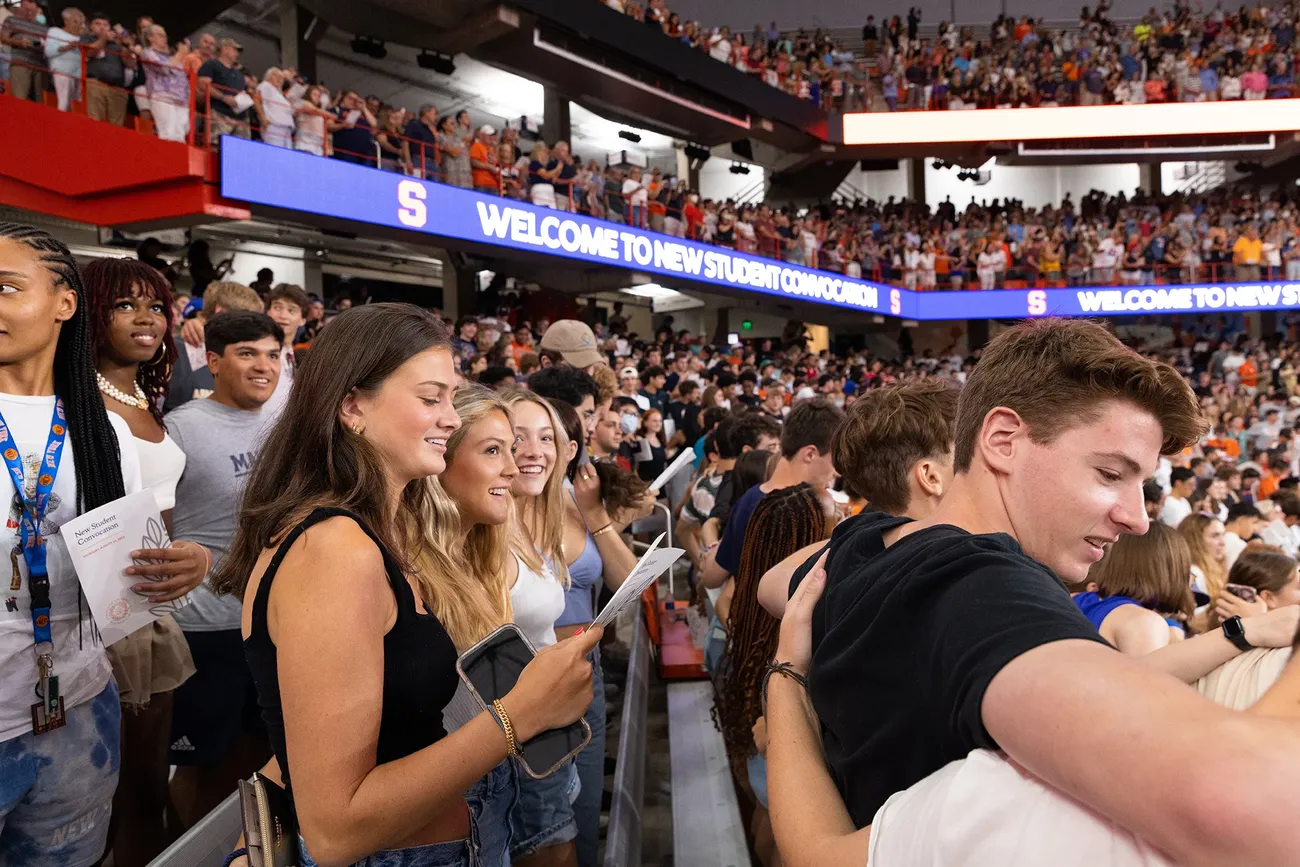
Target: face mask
(40, 17)
(628, 423)
(726, 403)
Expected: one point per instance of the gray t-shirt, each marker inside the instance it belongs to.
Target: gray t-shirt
(220, 445)
(30, 55)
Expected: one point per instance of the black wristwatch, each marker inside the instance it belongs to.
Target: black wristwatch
(1236, 633)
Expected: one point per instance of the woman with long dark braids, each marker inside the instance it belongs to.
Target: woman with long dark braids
(59, 756)
(784, 521)
(129, 317)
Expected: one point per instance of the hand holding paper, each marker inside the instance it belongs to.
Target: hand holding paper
(679, 463)
(647, 570)
(100, 544)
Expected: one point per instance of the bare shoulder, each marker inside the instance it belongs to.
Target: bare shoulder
(334, 559)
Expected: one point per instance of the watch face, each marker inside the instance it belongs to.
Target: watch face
(1232, 627)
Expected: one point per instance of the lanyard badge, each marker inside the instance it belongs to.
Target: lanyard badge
(47, 713)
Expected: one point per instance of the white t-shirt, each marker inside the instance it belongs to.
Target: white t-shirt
(720, 49)
(1174, 510)
(279, 111)
(81, 665)
(1233, 545)
(638, 192)
(984, 810)
(1107, 254)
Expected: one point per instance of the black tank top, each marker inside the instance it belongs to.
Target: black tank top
(419, 662)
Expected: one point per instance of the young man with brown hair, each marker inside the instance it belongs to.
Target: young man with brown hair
(191, 378)
(895, 449)
(937, 637)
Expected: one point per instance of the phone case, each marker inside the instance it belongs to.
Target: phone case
(1242, 592)
(541, 749)
(270, 825)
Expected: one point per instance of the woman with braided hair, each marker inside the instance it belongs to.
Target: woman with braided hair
(784, 521)
(64, 455)
(129, 309)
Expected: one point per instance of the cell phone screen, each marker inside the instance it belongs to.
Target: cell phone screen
(492, 668)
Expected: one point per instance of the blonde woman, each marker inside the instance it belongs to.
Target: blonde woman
(542, 823)
(351, 629)
(1204, 536)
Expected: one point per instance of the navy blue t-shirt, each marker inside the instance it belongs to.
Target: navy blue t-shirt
(357, 142)
(733, 537)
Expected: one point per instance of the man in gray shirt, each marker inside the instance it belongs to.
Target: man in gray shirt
(217, 734)
(25, 38)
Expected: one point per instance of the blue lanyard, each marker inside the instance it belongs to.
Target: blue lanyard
(33, 513)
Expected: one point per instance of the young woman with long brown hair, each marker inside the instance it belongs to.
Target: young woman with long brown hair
(353, 648)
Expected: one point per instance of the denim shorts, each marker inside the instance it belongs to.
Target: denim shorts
(488, 842)
(56, 789)
(543, 815)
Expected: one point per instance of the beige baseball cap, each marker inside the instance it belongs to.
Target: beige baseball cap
(573, 340)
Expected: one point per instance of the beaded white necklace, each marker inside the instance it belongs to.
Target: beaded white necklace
(138, 402)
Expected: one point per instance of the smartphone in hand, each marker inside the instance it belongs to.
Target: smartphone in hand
(1242, 592)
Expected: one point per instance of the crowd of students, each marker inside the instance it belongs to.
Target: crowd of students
(1174, 55)
(1178, 54)
(341, 545)
(1236, 233)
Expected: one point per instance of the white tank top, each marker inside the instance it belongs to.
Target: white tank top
(538, 601)
(161, 465)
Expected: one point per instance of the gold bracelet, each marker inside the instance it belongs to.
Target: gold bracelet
(512, 746)
(608, 528)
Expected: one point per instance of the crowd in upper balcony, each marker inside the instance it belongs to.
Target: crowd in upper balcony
(1175, 55)
(812, 67)
(200, 93)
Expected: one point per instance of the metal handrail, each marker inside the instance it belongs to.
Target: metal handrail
(623, 835)
(210, 840)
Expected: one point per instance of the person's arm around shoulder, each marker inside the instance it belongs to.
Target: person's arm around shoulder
(328, 611)
(1141, 753)
(774, 586)
(810, 822)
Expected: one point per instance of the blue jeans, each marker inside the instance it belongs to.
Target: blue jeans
(487, 845)
(591, 772)
(543, 814)
(56, 789)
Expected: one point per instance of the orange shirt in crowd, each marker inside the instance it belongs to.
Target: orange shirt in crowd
(1268, 483)
(1249, 374)
(481, 152)
(1228, 446)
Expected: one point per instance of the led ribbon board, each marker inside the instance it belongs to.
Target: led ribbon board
(286, 179)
